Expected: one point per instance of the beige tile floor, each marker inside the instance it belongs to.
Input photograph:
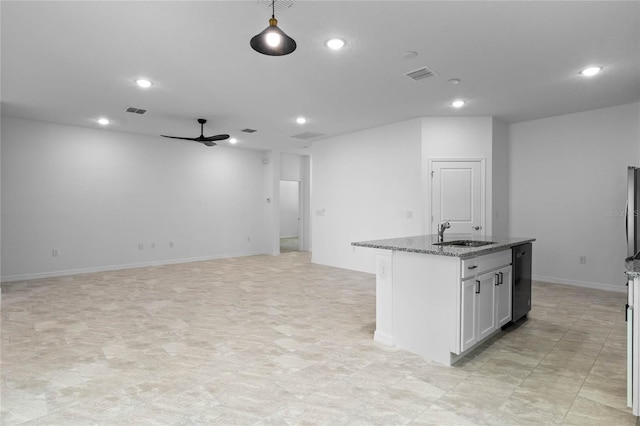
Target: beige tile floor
(278, 340)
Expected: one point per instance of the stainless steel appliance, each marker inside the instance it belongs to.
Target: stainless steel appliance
(633, 224)
(521, 291)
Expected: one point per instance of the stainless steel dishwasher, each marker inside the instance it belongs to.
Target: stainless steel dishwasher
(521, 291)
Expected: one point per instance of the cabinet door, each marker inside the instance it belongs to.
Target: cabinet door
(486, 302)
(503, 296)
(469, 333)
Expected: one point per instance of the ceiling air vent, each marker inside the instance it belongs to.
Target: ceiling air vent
(136, 110)
(421, 73)
(279, 5)
(308, 135)
(248, 130)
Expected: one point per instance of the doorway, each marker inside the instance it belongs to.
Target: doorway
(457, 195)
(290, 226)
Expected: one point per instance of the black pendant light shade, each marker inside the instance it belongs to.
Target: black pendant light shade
(273, 41)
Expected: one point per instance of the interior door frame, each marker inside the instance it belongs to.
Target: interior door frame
(430, 225)
(301, 212)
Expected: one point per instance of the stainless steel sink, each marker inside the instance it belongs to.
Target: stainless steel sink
(464, 243)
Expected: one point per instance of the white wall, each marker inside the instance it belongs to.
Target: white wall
(289, 208)
(271, 161)
(459, 137)
(364, 183)
(305, 214)
(94, 195)
(568, 189)
(291, 167)
(500, 179)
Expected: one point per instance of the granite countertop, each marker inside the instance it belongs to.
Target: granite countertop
(633, 267)
(425, 244)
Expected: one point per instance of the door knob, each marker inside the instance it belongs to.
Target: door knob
(477, 228)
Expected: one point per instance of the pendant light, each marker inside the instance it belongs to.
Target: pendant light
(273, 41)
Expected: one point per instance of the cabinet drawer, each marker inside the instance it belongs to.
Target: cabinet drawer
(470, 267)
(480, 264)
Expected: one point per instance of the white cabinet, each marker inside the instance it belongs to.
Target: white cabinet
(486, 297)
(503, 296)
(633, 344)
(478, 309)
(441, 307)
(469, 331)
(486, 300)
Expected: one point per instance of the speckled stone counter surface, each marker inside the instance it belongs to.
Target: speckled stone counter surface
(633, 268)
(425, 244)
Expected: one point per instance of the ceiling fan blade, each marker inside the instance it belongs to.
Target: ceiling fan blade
(178, 137)
(216, 138)
(206, 140)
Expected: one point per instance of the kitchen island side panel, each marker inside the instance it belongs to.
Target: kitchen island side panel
(384, 297)
(426, 308)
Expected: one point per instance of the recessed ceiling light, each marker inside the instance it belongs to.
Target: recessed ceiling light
(453, 81)
(588, 72)
(410, 54)
(233, 141)
(103, 121)
(145, 84)
(301, 120)
(335, 43)
(457, 103)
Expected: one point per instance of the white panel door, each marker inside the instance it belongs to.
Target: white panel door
(486, 308)
(469, 332)
(503, 296)
(456, 196)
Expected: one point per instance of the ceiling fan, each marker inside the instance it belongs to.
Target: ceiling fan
(206, 140)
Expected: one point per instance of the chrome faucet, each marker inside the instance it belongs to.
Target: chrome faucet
(441, 228)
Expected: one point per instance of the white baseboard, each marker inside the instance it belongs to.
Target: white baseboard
(598, 286)
(68, 272)
(341, 266)
(383, 338)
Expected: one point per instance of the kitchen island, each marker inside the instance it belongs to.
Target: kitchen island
(633, 335)
(440, 300)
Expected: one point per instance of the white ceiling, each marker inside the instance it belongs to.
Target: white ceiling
(72, 62)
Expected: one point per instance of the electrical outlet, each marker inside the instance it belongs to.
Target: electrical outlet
(248, 239)
(55, 253)
(409, 215)
(153, 245)
(170, 244)
(140, 246)
(583, 260)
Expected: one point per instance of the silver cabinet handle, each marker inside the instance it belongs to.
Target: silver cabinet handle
(501, 278)
(497, 279)
(472, 267)
(477, 287)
